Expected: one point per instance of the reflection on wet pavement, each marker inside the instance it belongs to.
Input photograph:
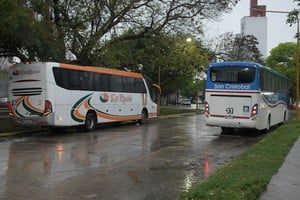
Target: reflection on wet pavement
(155, 161)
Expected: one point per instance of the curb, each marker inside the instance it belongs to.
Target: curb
(15, 133)
(176, 115)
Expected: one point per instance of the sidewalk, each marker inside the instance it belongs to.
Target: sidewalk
(285, 185)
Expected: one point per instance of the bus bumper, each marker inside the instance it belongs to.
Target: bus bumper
(231, 123)
(33, 121)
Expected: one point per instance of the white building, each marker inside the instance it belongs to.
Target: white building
(256, 24)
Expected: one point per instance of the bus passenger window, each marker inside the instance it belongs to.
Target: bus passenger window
(75, 80)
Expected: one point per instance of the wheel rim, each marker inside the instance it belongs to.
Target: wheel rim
(268, 124)
(90, 122)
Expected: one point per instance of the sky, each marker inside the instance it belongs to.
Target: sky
(278, 30)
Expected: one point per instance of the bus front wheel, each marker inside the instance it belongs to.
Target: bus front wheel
(143, 117)
(90, 122)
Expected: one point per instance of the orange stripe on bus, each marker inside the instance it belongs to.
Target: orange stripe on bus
(101, 70)
(152, 115)
(77, 113)
(27, 102)
(86, 105)
(118, 118)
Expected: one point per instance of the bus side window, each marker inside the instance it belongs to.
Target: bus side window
(87, 80)
(262, 80)
(97, 83)
(140, 86)
(75, 80)
(61, 77)
(116, 83)
(105, 82)
(128, 84)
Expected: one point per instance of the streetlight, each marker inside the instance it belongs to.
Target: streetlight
(189, 40)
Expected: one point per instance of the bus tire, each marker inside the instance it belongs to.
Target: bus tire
(227, 130)
(90, 121)
(268, 127)
(285, 117)
(143, 116)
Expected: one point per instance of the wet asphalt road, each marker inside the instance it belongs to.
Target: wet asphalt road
(157, 160)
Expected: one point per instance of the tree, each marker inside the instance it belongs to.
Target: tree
(26, 31)
(236, 47)
(86, 24)
(53, 28)
(282, 59)
(169, 57)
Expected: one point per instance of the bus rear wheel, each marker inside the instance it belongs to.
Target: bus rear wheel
(268, 126)
(90, 122)
(227, 130)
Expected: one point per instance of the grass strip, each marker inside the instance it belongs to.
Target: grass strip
(248, 175)
(5, 126)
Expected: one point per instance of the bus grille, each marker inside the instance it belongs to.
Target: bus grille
(27, 91)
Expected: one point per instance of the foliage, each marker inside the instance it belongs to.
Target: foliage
(282, 59)
(169, 58)
(247, 176)
(24, 31)
(80, 27)
(236, 47)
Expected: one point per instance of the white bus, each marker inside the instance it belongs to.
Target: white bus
(59, 95)
(245, 95)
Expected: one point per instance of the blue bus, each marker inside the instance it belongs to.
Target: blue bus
(245, 95)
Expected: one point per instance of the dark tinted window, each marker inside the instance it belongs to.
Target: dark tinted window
(81, 80)
(116, 84)
(152, 90)
(75, 80)
(61, 77)
(140, 86)
(232, 74)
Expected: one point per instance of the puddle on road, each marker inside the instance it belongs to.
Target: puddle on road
(154, 161)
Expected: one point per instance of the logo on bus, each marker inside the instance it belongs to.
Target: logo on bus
(104, 97)
(232, 86)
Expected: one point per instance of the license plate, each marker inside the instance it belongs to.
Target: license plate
(25, 121)
(229, 117)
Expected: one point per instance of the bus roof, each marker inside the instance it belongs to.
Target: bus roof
(224, 64)
(101, 70)
(245, 64)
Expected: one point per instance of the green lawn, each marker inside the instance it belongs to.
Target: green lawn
(247, 176)
(5, 126)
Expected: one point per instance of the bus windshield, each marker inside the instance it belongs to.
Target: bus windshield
(232, 74)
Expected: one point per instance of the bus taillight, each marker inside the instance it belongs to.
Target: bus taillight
(254, 110)
(48, 108)
(206, 109)
(10, 109)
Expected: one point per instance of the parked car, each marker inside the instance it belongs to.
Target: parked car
(185, 102)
